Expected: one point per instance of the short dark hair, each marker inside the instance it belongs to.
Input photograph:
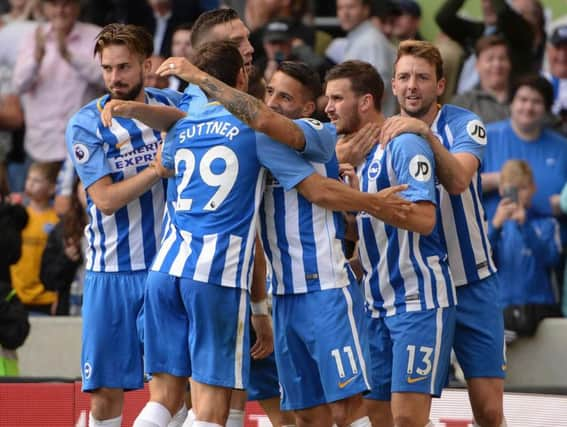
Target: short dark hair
(363, 77)
(185, 26)
(487, 42)
(208, 20)
(424, 50)
(220, 59)
(305, 75)
(135, 38)
(538, 83)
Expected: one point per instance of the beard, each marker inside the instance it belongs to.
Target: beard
(131, 95)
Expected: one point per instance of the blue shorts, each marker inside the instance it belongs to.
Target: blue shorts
(194, 329)
(264, 382)
(479, 332)
(321, 346)
(410, 352)
(112, 350)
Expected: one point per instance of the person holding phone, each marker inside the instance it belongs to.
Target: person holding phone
(526, 246)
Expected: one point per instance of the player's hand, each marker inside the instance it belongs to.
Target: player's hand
(389, 206)
(115, 108)
(349, 176)
(180, 67)
(354, 148)
(397, 125)
(264, 345)
(162, 171)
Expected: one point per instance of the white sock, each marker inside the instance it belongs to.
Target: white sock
(361, 422)
(179, 417)
(235, 418)
(190, 419)
(112, 422)
(197, 423)
(154, 414)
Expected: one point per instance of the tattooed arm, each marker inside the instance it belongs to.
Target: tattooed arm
(250, 110)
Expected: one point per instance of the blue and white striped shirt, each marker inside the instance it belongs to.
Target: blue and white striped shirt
(302, 240)
(220, 182)
(463, 220)
(126, 240)
(403, 271)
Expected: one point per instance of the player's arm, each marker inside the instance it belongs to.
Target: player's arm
(490, 181)
(109, 196)
(330, 194)
(261, 321)
(161, 117)
(454, 170)
(250, 110)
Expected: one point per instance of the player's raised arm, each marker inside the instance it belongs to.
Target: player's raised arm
(160, 117)
(247, 108)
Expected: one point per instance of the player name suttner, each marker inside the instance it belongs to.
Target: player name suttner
(222, 128)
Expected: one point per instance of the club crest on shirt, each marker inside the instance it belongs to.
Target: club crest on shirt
(477, 131)
(420, 168)
(81, 152)
(374, 170)
(315, 124)
(87, 371)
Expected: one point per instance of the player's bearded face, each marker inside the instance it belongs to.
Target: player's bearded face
(127, 92)
(342, 106)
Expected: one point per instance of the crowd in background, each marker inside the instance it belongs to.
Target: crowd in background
(510, 68)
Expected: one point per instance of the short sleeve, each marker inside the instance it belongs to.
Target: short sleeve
(469, 134)
(286, 165)
(413, 163)
(85, 147)
(320, 140)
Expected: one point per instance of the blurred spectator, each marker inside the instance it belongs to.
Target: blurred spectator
(498, 18)
(280, 44)
(14, 325)
(151, 78)
(103, 12)
(524, 137)
(526, 247)
(557, 66)
(383, 15)
(180, 46)
(11, 114)
(259, 13)
(366, 43)
(490, 98)
(40, 188)
(160, 18)
(54, 75)
(406, 26)
(62, 262)
(20, 10)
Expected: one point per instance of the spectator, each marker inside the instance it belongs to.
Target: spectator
(40, 188)
(524, 137)
(160, 18)
(384, 15)
(55, 72)
(557, 64)
(366, 43)
(180, 46)
(406, 26)
(498, 18)
(526, 247)
(490, 98)
(20, 10)
(62, 262)
(14, 326)
(151, 79)
(281, 44)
